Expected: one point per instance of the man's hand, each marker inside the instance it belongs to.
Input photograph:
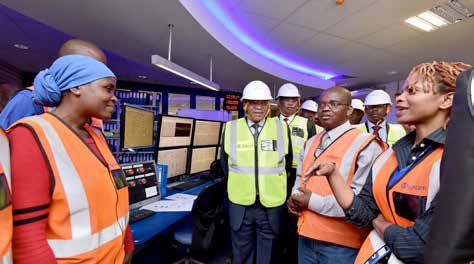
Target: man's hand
(320, 168)
(301, 199)
(292, 208)
(128, 258)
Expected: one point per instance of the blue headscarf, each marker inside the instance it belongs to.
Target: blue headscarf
(67, 72)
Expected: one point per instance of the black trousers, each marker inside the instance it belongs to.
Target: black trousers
(256, 239)
(289, 245)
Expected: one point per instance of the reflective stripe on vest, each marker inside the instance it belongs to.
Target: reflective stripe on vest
(371, 250)
(6, 218)
(297, 142)
(240, 147)
(344, 152)
(7, 258)
(86, 222)
(395, 132)
(81, 245)
(421, 180)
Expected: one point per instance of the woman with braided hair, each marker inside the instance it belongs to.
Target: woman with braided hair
(399, 197)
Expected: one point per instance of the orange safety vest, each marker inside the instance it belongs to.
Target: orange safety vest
(97, 123)
(422, 180)
(89, 205)
(6, 218)
(343, 152)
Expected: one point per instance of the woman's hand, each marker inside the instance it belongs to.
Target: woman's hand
(320, 168)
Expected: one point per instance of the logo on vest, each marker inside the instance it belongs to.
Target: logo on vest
(244, 145)
(408, 186)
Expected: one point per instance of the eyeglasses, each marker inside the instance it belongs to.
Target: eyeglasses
(376, 107)
(330, 104)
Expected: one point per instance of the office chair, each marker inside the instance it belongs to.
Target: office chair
(216, 170)
(207, 216)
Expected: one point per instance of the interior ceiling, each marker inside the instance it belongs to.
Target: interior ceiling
(363, 38)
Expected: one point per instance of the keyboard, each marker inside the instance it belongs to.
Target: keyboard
(140, 214)
(189, 184)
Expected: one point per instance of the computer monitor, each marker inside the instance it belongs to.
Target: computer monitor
(177, 161)
(201, 159)
(136, 127)
(143, 186)
(206, 133)
(174, 131)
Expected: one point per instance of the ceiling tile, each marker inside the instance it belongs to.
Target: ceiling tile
(378, 16)
(279, 9)
(256, 23)
(320, 14)
(390, 36)
(288, 36)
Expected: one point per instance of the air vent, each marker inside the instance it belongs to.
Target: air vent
(453, 11)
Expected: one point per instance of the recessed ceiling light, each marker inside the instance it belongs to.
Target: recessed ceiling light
(433, 18)
(420, 23)
(143, 77)
(392, 72)
(21, 46)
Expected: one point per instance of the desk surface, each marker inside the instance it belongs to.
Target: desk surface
(149, 227)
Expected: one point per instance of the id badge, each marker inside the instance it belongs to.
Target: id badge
(379, 255)
(268, 145)
(119, 179)
(298, 132)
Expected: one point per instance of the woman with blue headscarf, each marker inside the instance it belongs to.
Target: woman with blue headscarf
(70, 197)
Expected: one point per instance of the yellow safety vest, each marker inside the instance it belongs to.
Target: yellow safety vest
(318, 129)
(256, 169)
(6, 218)
(395, 132)
(299, 135)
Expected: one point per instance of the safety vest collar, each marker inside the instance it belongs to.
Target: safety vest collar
(420, 180)
(95, 134)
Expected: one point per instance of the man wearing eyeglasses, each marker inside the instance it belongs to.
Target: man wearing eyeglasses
(324, 235)
(377, 106)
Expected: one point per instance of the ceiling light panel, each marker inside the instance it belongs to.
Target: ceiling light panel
(420, 23)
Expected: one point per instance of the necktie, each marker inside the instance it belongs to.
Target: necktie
(286, 120)
(325, 142)
(376, 129)
(255, 132)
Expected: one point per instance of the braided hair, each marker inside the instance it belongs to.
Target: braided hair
(436, 76)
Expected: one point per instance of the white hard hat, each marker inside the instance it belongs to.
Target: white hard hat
(378, 97)
(288, 90)
(256, 90)
(310, 105)
(357, 104)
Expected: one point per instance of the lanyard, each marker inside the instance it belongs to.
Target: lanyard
(399, 173)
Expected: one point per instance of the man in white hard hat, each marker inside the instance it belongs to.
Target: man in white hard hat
(309, 109)
(377, 105)
(301, 129)
(256, 159)
(358, 112)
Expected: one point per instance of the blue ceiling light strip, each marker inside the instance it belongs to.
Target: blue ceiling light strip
(225, 20)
